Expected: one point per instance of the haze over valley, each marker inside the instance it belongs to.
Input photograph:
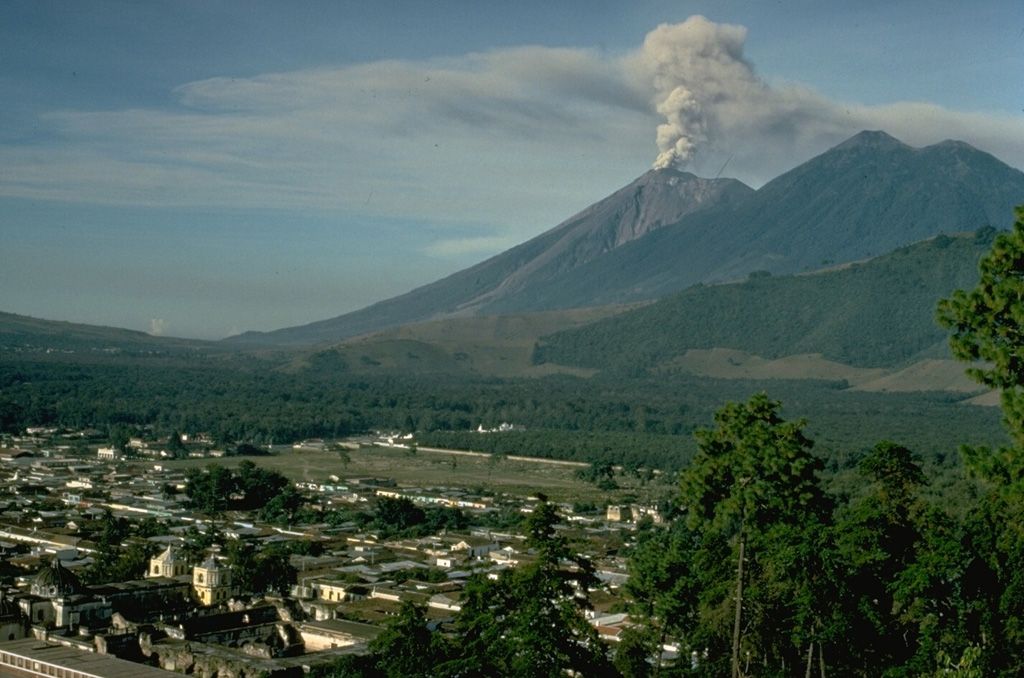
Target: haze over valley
(402, 339)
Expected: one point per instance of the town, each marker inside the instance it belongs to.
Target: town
(125, 551)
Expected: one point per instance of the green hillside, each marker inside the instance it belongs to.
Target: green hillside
(879, 313)
(489, 345)
(24, 335)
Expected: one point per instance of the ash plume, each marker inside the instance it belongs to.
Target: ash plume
(697, 70)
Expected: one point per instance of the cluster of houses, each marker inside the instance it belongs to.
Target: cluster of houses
(189, 616)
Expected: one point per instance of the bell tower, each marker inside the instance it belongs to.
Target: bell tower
(211, 582)
(167, 564)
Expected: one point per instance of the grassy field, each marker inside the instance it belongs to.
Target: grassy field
(494, 345)
(441, 469)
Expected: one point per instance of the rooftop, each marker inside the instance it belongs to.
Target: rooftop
(87, 663)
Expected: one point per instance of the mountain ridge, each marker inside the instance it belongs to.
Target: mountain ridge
(838, 207)
(868, 325)
(668, 230)
(873, 314)
(595, 230)
(27, 334)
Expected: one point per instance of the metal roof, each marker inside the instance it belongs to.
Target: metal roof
(86, 663)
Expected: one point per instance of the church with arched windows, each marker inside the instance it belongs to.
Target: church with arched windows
(211, 582)
(57, 601)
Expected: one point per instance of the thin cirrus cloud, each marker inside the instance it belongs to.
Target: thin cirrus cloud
(504, 139)
(425, 137)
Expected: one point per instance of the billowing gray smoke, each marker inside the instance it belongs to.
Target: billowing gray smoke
(715, 104)
(696, 68)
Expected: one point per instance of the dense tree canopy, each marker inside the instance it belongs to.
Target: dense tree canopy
(752, 498)
(259, 571)
(216, 489)
(898, 560)
(987, 324)
(528, 623)
(117, 559)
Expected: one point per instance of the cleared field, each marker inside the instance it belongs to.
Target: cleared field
(723, 363)
(926, 375)
(491, 345)
(426, 468)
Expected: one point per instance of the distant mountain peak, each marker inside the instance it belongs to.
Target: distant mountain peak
(668, 172)
(873, 139)
(954, 146)
(664, 176)
(686, 185)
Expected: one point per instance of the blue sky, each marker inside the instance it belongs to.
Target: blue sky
(202, 168)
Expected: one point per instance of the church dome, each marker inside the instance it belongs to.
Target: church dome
(56, 581)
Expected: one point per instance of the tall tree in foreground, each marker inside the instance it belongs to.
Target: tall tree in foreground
(753, 499)
(901, 560)
(529, 623)
(408, 648)
(987, 325)
(664, 584)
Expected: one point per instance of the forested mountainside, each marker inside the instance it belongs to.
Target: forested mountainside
(877, 313)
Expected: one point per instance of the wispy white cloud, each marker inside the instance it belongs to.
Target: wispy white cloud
(458, 248)
(516, 139)
(479, 139)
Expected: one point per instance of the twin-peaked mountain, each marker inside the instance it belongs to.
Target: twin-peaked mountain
(669, 230)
